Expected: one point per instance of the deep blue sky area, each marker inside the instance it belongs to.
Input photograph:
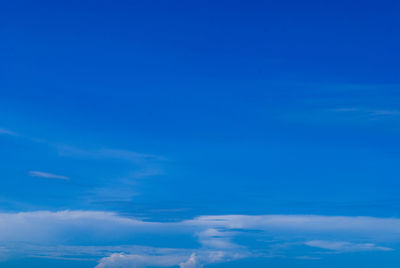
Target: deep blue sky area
(198, 134)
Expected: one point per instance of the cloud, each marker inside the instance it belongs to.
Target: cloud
(138, 261)
(148, 172)
(354, 116)
(123, 193)
(67, 150)
(44, 227)
(192, 262)
(306, 224)
(307, 258)
(90, 253)
(220, 227)
(177, 258)
(119, 185)
(47, 175)
(125, 155)
(8, 132)
(214, 237)
(368, 113)
(341, 246)
(104, 225)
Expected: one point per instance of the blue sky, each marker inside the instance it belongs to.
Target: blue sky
(199, 134)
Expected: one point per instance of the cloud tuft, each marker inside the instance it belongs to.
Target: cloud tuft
(46, 175)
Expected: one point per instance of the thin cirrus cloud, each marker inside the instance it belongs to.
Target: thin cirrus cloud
(343, 246)
(215, 237)
(141, 165)
(110, 153)
(8, 132)
(125, 155)
(371, 113)
(47, 175)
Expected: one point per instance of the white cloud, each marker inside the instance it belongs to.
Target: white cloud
(192, 262)
(222, 228)
(43, 230)
(307, 258)
(341, 246)
(47, 175)
(138, 261)
(360, 226)
(179, 257)
(45, 226)
(213, 238)
(126, 155)
(206, 227)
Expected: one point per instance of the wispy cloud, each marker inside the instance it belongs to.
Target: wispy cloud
(364, 226)
(307, 258)
(112, 193)
(354, 116)
(8, 132)
(120, 185)
(46, 175)
(341, 246)
(68, 150)
(370, 113)
(126, 155)
(148, 172)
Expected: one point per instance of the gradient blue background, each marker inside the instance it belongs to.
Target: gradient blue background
(249, 107)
